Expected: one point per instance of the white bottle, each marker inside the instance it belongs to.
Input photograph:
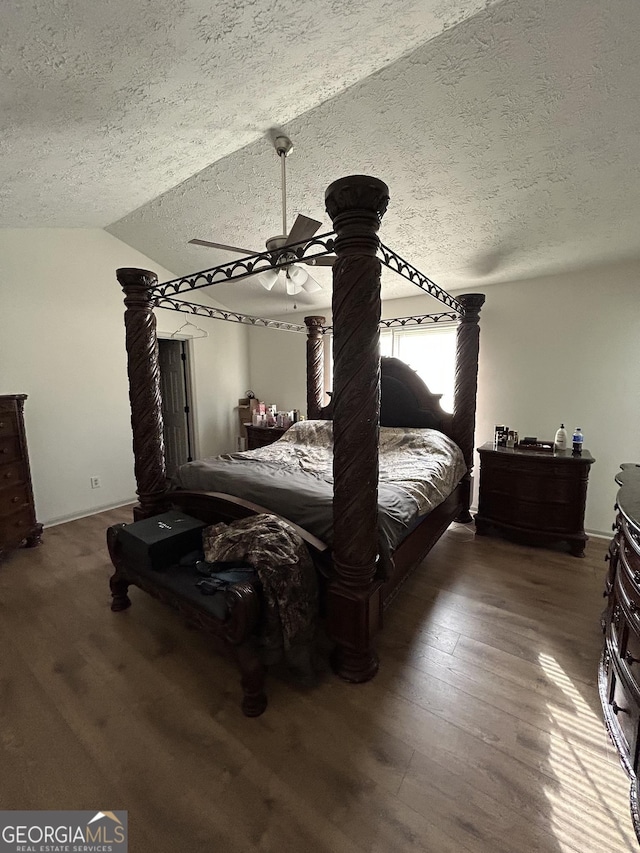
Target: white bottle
(561, 440)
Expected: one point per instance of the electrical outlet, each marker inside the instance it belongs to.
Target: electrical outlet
(95, 482)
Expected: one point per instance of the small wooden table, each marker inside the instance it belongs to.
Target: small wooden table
(261, 436)
(532, 496)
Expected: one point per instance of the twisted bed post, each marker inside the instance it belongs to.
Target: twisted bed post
(315, 366)
(356, 205)
(466, 387)
(144, 390)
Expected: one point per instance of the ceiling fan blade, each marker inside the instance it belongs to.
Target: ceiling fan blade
(302, 229)
(323, 261)
(223, 246)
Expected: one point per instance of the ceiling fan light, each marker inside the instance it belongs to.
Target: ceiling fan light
(311, 285)
(292, 286)
(297, 275)
(268, 278)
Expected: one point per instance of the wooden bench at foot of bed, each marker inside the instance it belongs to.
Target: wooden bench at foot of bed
(232, 617)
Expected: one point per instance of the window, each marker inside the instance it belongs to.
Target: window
(430, 351)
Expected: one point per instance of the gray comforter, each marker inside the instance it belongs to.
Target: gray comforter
(293, 477)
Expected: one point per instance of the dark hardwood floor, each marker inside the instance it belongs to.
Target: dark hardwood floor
(482, 732)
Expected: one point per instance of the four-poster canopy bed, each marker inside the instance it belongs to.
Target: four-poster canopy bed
(355, 592)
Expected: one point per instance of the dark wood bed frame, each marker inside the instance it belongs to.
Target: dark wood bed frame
(355, 594)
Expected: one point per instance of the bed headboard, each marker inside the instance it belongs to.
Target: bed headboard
(405, 400)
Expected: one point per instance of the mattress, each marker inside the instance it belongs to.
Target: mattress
(418, 469)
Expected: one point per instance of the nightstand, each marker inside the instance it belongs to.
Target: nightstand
(534, 497)
(261, 436)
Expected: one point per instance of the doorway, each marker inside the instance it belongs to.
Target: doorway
(175, 387)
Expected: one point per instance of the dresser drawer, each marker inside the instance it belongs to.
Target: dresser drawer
(8, 424)
(624, 703)
(15, 528)
(9, 449)
(12, 474)
(631, 656)
(618, 624)
(628, 596)
(14, 499)
(630, 569)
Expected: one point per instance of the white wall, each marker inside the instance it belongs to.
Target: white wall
(565, 348)
(559, 348)
(279, 366)
(62, 343)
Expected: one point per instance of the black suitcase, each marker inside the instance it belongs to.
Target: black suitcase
(160, 541)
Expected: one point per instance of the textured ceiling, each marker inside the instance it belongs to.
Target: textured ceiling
(508, 133)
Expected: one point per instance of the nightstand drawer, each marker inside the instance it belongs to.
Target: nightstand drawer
(262, 436)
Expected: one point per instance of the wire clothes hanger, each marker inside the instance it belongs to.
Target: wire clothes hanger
(203, 333)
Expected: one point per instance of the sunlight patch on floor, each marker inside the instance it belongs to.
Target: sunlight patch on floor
(583, 776)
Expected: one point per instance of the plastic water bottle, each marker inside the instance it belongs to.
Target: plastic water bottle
(578, 438)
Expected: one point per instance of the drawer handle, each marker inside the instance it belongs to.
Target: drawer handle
(15, 500)
(2, 424)
(617, 709)
(5, 449)
(7, 475)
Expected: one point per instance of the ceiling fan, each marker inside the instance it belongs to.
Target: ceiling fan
(292, 275)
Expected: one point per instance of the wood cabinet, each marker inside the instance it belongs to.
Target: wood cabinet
(17, 513)
(619, 674)
(261, 436)
(534, 497)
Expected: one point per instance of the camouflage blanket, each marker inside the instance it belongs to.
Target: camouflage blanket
(289, 584)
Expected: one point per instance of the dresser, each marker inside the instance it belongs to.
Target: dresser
(261, 436)
(17, 513)
(619, 674)
(532, 496)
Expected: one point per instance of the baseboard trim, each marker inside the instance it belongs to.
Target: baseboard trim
(54, 522)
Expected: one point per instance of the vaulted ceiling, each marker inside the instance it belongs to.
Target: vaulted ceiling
(508, 132)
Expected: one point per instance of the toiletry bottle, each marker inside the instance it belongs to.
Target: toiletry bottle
(561, 440)
(578, 438)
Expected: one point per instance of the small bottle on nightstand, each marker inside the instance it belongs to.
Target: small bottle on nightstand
(561, 440)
